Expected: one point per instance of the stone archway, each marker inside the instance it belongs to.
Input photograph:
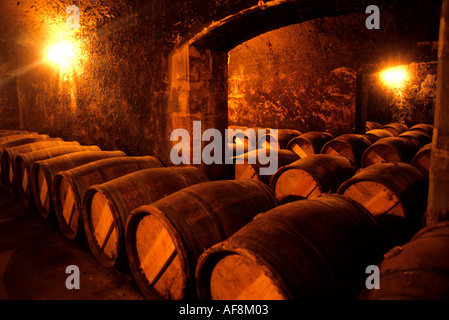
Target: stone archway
(198, 68)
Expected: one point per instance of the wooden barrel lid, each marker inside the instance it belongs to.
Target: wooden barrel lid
(238, 277)
(104, 227)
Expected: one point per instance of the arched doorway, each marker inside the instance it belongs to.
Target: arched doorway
(199, 70)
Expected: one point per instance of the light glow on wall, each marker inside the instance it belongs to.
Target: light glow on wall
(61, 53)
(395, 78)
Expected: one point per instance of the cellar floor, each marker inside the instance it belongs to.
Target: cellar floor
(34, 256)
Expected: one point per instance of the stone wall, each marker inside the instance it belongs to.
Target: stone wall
(117, 92)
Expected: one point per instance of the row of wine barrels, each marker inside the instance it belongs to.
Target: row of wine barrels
(262, 159)
(350, 146)
(312, 176)
(165, 239)
(69, 187)
(24, 164)
(311, 249)
(395, 193)
(106, 207)
(422, 159)
(9, 155)
(44, 171)
(418, 270)
(309, 143)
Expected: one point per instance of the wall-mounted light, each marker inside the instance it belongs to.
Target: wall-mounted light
(61, 53)
(395, 77)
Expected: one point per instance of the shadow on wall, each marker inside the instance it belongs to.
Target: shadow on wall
(9, 104)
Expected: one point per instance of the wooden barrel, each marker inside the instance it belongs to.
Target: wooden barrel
(371, 125)
(250, 169)
(309, 143)
(44, 171)
(377, 134)
(397, 190)
(394, 149)
(24, 163)
(395, 128)
(239, 147)
(244, 135)
(284, 136)
(423, 127)
(418, 270)
(107, 207)
(9, 156)
(350, 146)
(17, 136)
(419, 138)
(422, 159)
(312, 176)
(311, 249)
(5, 133)
(18, 142)
(69, 187)
(165, 239)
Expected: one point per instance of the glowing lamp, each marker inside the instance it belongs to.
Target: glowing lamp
(394, 77)
(61, 53)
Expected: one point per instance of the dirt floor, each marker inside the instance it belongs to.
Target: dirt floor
(34, 256)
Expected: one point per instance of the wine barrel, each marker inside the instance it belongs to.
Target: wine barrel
(24, 163)
(394, 149)
(419, 138)
(69, 187)
(423, 127)
(391, 189)
(44, 171)
(108, 205)
(245, 135)
(350, 146)
(251, 168)
(239, 147)
(418, 270)
(310, 249)
(18, 142)
(5, 133)
(371, 125)
(395, 128)
(9, 156)
(312, 176)
(165, 239)
(422, 159)
(377, 134)
(284, 136)
(309, 143)
(17, 136)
